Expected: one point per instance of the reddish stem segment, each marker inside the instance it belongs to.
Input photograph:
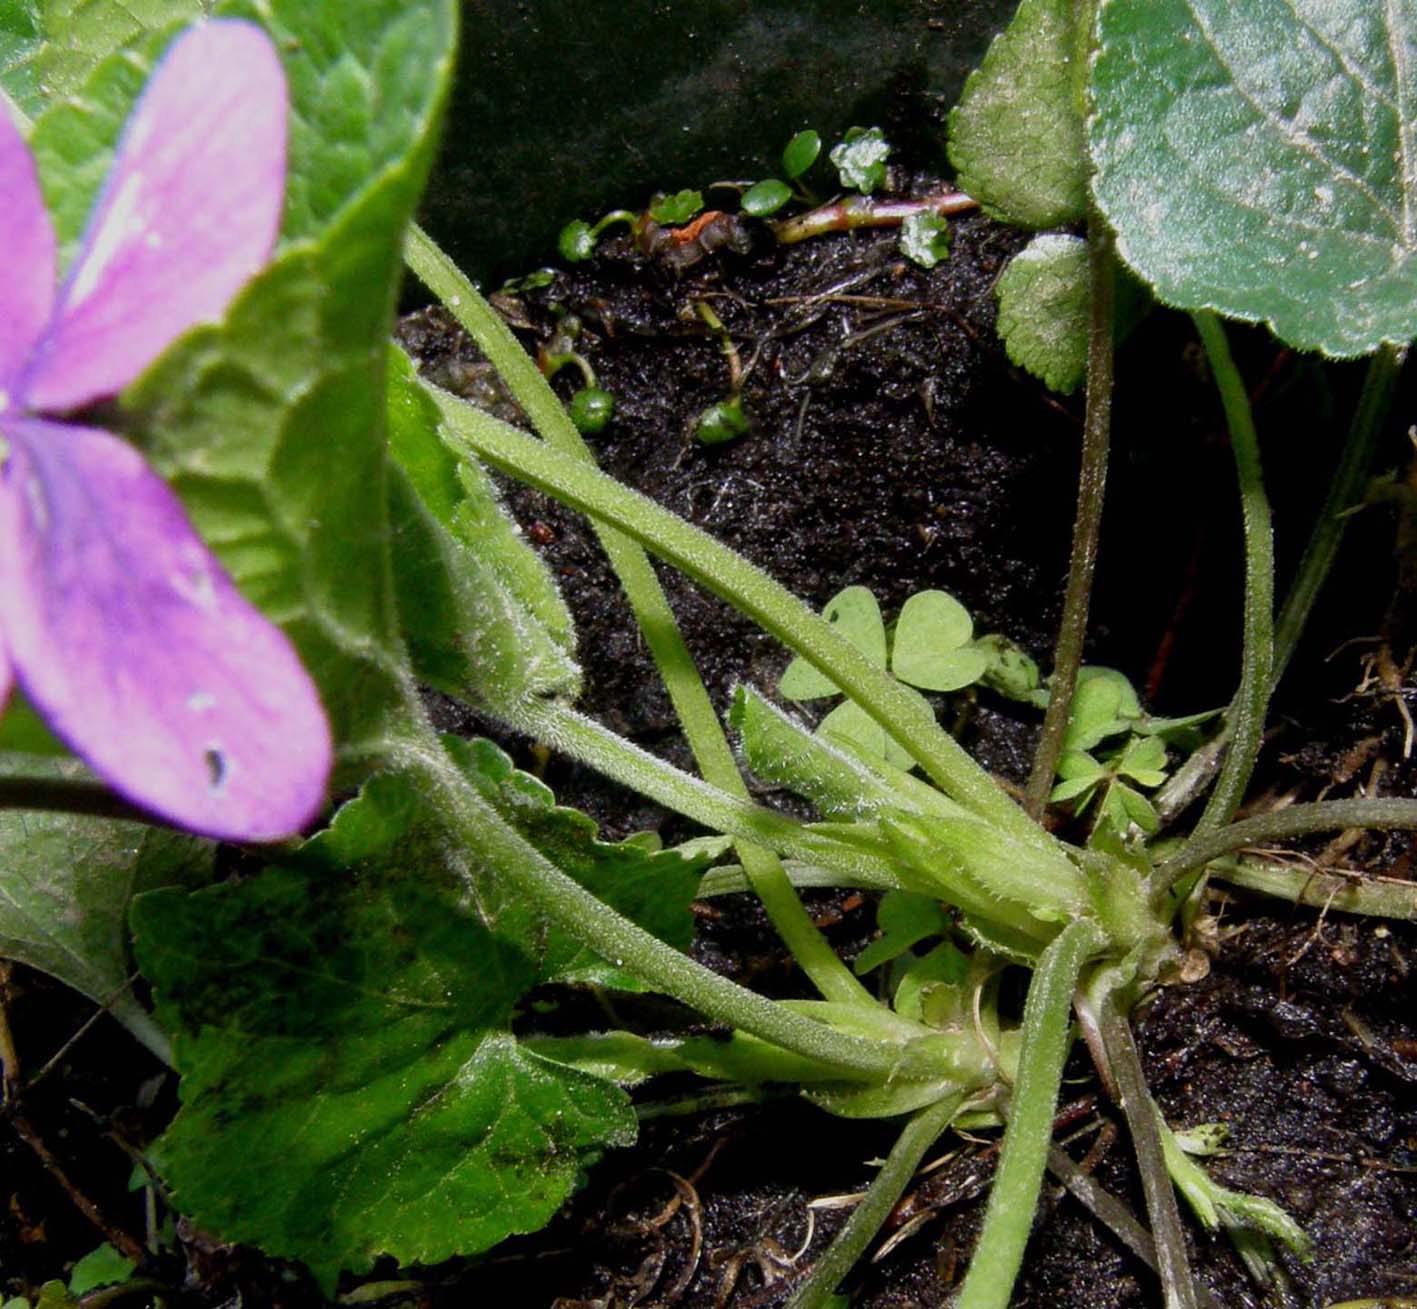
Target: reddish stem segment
(861, 211)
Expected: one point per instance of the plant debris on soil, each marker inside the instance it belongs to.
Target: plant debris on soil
(892, 445)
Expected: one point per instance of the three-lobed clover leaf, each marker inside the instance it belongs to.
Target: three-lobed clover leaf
(930, 648)
(119, 624)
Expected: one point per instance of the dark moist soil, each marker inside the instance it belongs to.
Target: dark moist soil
(894, 446)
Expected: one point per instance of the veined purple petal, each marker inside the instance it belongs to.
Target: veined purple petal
(132, 641)
(27, 245)
(188, 214)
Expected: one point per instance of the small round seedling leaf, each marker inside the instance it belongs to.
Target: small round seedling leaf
(767, 197)
(576, 242)
(860, 159)
(1016, 137)
(1261, 160)
(856, 616)
(931, 648)
(801, 153)
(721, 422)
(925, 239)
(676, 208)
(591, 409)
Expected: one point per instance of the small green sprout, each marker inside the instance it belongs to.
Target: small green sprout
(769, 195)
(925, 239)
(1012, 672)
(1105, 705)
(591, 409)
(801, 153)
(1084, 777)
(578, 238)
(101, 1267)
(931, 647)
(671, 210)
(591, 406)
(576, 242)
(721, 422)
(766, 197)
(860, 159)
(532, 281)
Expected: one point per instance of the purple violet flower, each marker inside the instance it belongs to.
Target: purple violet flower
(122, 628)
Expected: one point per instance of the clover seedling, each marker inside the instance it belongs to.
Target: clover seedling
(931, 647)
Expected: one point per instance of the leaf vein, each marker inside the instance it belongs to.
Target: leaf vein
(1289, 132)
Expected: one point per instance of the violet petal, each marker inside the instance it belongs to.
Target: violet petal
(189, 213)
(132, 641)
(27, 239)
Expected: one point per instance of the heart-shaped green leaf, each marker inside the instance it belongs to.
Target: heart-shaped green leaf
(856, 615)
(931, 647)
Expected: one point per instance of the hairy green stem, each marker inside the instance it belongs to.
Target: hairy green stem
(652, 612)
(525, 871)
(720, 570)
(920, 1133)
(725, 879)
(1346, 489)
(1045, 1041)
(1257, 658)
(1172, 1263)
(1087, 525)
(575, 734)
(1296, 820)
(1378, 897)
